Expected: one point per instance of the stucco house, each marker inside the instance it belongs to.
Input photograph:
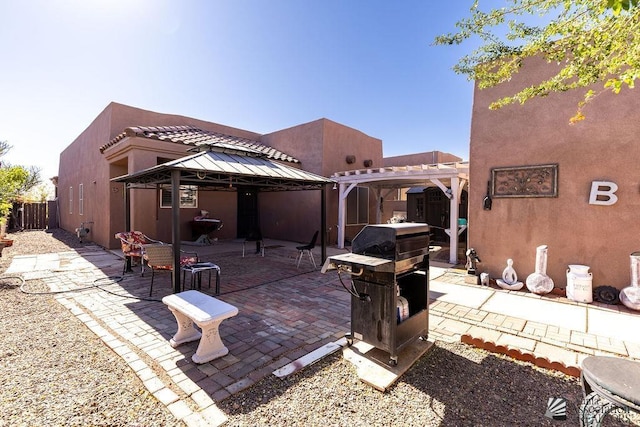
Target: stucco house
(123, 140)
(574, 188)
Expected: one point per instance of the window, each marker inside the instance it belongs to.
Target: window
(420, 208)
(81, 199)
(358, 206)
(70, 200)
(402, 194)
(188, 196)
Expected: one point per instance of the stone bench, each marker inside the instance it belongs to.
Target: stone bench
(608, 383)
(207, 312)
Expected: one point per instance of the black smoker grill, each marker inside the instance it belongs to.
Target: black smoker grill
(389, 269)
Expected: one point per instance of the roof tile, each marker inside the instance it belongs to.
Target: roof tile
(196, 137)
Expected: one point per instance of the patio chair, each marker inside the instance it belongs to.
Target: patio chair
(131, 243)
(308, 248)
(160, 257)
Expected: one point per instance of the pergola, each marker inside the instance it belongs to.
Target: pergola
(223, 167)
(449, 177)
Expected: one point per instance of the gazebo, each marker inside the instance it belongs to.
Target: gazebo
(223, 167)
(449, 177)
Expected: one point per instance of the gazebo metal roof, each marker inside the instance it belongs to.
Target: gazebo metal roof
(228, 167)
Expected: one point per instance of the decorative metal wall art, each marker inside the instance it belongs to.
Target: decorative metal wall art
(525, 181)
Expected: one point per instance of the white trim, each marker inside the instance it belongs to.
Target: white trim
(80, 199)
(406, 176)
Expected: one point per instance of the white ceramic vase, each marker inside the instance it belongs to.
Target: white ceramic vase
(630, 296)
(538, 282)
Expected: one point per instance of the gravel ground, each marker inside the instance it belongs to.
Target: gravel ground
(55, 372)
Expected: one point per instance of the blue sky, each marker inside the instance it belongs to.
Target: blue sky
(254, 64)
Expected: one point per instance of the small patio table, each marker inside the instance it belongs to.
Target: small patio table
(196, 274)
(608, 383)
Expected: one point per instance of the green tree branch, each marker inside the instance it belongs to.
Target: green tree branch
(594, 43)
(15, 181)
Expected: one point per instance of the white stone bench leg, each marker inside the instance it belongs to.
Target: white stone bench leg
(186, 331)
(207, 313)
(211, 346)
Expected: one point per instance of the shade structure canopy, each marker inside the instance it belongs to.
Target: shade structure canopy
(449, 177)
(223, 167)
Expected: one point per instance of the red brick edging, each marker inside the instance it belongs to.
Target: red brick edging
(541, 362)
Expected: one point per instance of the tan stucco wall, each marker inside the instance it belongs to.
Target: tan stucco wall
(604, 147)
(322, 146)
(426, 158)
(82, 162)
(124, 116)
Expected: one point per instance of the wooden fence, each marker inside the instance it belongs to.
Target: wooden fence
(28, 216)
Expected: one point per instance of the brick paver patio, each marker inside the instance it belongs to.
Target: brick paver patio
(284, 313)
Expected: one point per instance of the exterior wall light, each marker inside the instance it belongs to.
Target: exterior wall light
(487, 202)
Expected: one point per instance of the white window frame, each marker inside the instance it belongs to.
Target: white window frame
(186, 200)
(358, 197)
(81, 199)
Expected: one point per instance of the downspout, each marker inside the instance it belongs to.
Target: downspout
(323, 223)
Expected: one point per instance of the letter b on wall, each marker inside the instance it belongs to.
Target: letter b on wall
(603, 193)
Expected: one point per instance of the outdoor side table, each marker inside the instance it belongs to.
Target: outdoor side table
(608, 383)
(196, 274)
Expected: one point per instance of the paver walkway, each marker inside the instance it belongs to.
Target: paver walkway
(551, 329)
(286, 312)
